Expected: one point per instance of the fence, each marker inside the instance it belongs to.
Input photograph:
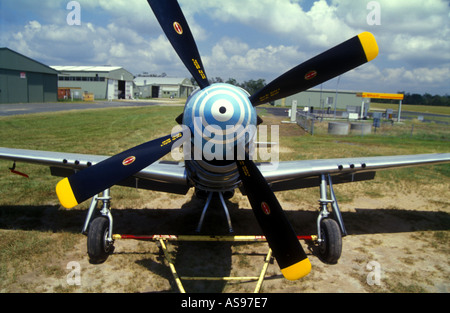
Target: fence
(306, 121)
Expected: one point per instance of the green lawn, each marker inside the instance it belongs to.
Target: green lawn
(109, 131)
(412, 108)
(36, 250)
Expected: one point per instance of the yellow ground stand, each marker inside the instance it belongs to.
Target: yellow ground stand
(164, 239)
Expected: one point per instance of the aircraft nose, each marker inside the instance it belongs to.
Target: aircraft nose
(221, 115)
(222, 110)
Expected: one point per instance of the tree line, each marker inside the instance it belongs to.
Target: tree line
(418, 99)
(426, 99)
(409, 98)
(251, 85)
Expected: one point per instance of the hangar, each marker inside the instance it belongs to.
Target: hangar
(323, 99)
(163, 87)
(103, 82)
(25, 80)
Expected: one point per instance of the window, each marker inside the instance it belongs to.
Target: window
(81, 78)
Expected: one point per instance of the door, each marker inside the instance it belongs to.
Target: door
(155, 91)
(35, 87)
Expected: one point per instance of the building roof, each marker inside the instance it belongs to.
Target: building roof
(330, 91)
(143, 81)
(12, 60)
(86, 68)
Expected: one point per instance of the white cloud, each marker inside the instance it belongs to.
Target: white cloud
(89, 44)
(232, 58)
(414, 31)
(243, 39)
(418, 80)
(319, 27)
(419, 50)
(303, 33)
(327, 28)
(417, 76)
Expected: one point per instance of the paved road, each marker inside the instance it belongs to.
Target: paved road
(406, 115)
(29, 108)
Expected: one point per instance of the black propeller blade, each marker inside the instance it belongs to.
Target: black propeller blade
(81, 186)
(334, 62)
(278, 231)
(174, 25)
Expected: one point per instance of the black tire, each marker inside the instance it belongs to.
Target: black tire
(330, 248)
(97, 246)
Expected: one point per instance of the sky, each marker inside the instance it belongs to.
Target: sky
(241, 39)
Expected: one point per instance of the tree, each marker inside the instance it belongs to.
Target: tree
(215, 80)
(253, 86)
(426, 99)
(232, 81)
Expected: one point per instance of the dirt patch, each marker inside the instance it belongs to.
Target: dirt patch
(404, 248)
(398, 242)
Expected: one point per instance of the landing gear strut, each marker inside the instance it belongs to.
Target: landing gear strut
(208, 201)
(100, 243)
(329, 230)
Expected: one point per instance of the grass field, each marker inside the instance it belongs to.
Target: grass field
(412, 108)
(110, 131)
(26, 245)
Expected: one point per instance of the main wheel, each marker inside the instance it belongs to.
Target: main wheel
(98, 247)
(330, 248)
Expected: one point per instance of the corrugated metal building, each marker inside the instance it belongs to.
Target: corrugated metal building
(104, 82)
(163, 87)
(25, 80)
(323, 99)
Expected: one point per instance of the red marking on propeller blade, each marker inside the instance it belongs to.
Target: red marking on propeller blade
(129, 160)
(310, 75)
(178, 28)
(265, 207)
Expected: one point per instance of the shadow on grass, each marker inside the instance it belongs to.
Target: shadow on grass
(211, 259)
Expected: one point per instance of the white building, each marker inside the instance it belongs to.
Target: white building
(163, 87)
(105, 82)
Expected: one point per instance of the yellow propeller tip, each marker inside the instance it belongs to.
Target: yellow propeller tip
(297, 270)
(65, 194)
(369, 45)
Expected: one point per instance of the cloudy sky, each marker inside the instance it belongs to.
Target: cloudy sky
(242, 39)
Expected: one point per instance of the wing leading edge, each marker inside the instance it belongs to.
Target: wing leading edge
(285, 175)
(306, 173)
(160, 176)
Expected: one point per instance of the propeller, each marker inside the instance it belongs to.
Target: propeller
(86, 183)
(174, 25)
(279, 233)
(329, 64)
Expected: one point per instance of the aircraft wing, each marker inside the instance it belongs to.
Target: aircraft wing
(171, 177)
(160, 176)
(288, 175)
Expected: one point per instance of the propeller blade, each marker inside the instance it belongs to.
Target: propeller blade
(279, 233)
(174, 25)
(334, 62)
(81, 186)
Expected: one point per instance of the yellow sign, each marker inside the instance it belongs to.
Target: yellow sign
(374, 95)
(88, 97)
